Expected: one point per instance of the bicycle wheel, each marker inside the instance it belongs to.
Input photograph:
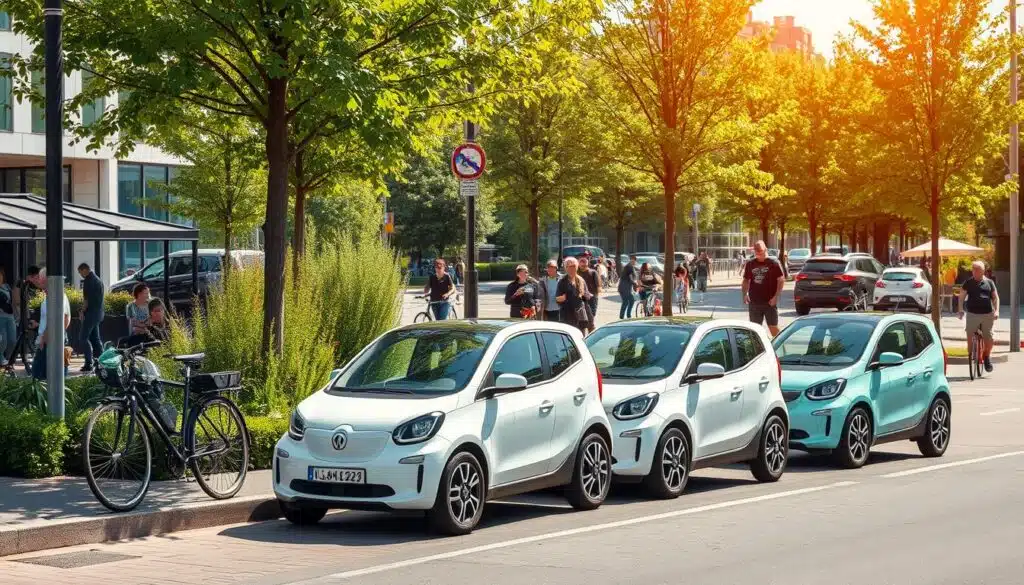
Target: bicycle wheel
(422, 317)
(219, 443)
(117, 456)
(971, 353)
(978, 362)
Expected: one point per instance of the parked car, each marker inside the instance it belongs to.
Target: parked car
(834, 281)
(855, 381)
(679, 258)
(180, 280)
(580, 251)
(687, 393)
(840, 250)
(796, 258)
(773, 252)
(445, 416)
(650, 258)
(903, 287)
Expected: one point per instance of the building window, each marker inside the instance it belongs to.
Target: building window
(94, 109)
(32, 180)
(5, 21)
(6, 93)
(39, 108)
(138, 194)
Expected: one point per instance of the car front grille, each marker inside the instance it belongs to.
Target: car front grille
(341, 490)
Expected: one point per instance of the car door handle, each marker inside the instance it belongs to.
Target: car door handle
(579, 396)
(911, 376)
(736, 393)
(546, 406)
(764, 384)
(928, 372)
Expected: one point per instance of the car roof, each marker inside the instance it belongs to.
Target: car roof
(492, 326)
(875, 317)
(903, 269)
(827, 256)
(858, 255)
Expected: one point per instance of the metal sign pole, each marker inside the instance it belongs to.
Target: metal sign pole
(1015, 198)
(471, 273)
(52, 14)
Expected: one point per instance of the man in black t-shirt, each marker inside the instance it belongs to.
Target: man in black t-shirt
(441, 288)
(979, 301)
(763, 280)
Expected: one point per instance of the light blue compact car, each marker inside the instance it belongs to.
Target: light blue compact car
(854, 380)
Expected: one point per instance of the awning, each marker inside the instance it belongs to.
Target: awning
(946, 248)
(23, 217)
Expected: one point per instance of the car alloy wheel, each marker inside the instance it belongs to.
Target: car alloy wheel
(673, 463)
(936, 439)
(592, 475)
(465, 493)
(774, 452)
(860, 436)
(670, 469)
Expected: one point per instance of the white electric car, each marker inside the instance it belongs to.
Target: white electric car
(903, 287)
(687, 393)
(444, 416)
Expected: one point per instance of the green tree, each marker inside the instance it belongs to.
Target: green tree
(627, 199)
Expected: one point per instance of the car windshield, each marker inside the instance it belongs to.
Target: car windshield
(647, 259)
(899, 276)
(799, 253)
(823, 342)
(641, 352)
(416, 361)
(825, 266)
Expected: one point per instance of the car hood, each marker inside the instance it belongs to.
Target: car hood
(615, 391)
(381, 412)
(124, 281)
(800, 378)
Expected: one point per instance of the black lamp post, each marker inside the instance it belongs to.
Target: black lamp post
(52, 14)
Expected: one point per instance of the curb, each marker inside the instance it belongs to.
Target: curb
(998, 342)
(997, 358)
(109, 527)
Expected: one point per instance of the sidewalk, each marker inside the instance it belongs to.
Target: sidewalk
(38, 514)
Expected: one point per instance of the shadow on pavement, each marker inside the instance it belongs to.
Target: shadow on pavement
(805, 463)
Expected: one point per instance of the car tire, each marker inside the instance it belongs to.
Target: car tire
(855, 442)
(301, 515)
(802, 309)
(463, 474)
(938, 429)
(773, 452)
(670, 470)
(592, 474)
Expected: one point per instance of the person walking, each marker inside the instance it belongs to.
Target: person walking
(593, 282)
(702, 269)
(8, 323)
(602, 272)
(91, 314)
(627, 287)
(39, 359)
(763, 281)
(681, 283)
(548, 292)
(521, 294)
(441, 288)
(979, 302)
(572, 296)
(460, 271)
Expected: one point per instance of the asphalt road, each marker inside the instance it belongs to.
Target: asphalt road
(901, 520)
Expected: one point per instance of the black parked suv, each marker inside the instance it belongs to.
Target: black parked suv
(829, 280)
(180, 279)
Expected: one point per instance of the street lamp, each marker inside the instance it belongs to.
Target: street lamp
(1015, 199)
(52, 14)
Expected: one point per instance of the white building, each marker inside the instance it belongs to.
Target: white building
(91, 178)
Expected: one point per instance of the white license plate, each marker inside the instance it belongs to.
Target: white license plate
(337, 475)
(823, 282)
(899, 299)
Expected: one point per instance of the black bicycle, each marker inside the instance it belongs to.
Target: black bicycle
(117, 450)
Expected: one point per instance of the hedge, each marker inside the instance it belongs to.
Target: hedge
(35, 445)
(113, 303)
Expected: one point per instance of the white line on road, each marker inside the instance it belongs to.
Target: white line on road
(583, 530)
(953, 464)
(1003, 411)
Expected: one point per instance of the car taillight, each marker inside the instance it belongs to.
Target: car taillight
(879, 284)
(600, 385)
(846, 277)
(800, 276)
(918, 285)
(945, 360)
(778, 365)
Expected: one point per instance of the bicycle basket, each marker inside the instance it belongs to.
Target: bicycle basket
(110, 370)
(216, 381)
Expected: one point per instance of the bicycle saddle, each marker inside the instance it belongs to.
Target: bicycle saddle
(192, 358)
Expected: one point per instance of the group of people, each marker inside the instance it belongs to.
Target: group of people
(570, 298)
(640, 283)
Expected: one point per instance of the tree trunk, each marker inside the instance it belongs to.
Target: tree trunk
(824, 237)
(839, 232)
(782, 236)
(299, 227)
(903, 235)
(534, 236)
(854, 245)
(671, 185)
(812, 226)
(880, 249)
(619, 229)
(277, 215)
(765, 229)
(228, 227)
(863, 244)
(936, 261)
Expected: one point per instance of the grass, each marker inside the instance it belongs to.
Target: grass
(960, 352)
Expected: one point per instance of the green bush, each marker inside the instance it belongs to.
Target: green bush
(264, 432)
(113, 303)
(28, 394)
(33, 444)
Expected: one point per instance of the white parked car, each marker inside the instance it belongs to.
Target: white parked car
(687, 393)
(903, 287)
(443, 417)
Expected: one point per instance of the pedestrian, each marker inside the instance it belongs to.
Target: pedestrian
(460, 271)
(521, 294)
(702, 269)
(627, 287)
(39, 359)
(593, 283)
(681, 282)
(602, 272)
(137, 311)
(91, 314)
(763, 281)
(8, 323)
(784, 261)
(441, 288)
(979, 302)
(572, 296)
(548, 292)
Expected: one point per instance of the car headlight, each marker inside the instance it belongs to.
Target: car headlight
(419, 429)
(636, 407)
(296, 426)
(826, 390)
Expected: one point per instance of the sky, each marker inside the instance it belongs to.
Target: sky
(825, 18)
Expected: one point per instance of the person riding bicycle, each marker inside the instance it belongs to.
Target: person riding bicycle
(681, 278)
(441, 288)
(649, 282)
(979, 300)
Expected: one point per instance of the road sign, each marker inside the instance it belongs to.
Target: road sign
(469, 161)
(469, 188)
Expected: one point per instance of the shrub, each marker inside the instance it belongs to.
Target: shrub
(113, 303)
(264, 432)
(33, 444)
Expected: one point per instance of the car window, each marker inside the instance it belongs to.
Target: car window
(748, 346)
(559, 349)
(520, 355)
(878, 266)
(898, 276)
(181, 265)
(209, 263)
(921, 337)
(823, 342)
(154, 270)
(638, 351)
(713, 349)
(894, 340)
(825, 266)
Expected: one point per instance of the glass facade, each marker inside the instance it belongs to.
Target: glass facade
(39, 109)
(138, 194)
(5, 21)
(94, 109)
(31, 180)
(6, 94)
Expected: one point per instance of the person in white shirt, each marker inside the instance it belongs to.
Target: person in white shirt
(39, 359)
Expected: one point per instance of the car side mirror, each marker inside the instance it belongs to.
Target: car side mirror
(505, 384)
(706, 371)
(888, 359)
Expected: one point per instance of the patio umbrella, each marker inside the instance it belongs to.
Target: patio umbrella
(946, 248)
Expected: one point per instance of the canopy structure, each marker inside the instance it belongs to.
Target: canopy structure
(946, 248)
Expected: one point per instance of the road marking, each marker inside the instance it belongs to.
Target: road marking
(1003, 411)
(953, 464)
(583, 530)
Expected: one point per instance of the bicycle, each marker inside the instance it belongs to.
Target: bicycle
(974, 362)
(647, 307)
(425, 314)
(116, 445)
(858, 303)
